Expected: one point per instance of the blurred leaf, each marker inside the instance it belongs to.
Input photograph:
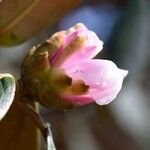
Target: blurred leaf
(17, 131)
(7, 93)
(26, 18)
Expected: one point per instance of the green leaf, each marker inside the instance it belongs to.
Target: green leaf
(7, 93)
(21, 20)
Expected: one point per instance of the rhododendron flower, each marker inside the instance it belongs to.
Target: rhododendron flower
(62, 72)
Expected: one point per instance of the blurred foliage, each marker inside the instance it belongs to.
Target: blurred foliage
(20, 20)
(17, 131)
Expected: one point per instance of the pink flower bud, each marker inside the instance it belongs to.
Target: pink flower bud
(61, 73)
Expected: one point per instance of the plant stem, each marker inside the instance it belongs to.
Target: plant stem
(40, 123)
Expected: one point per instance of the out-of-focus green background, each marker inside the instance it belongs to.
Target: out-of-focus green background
(124, 26)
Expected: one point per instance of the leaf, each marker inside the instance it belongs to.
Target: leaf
(50, 142)
(26, 18)
(17, 131)
(7, 93)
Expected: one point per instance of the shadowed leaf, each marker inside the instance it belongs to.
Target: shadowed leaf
(7, 93)
(17, 131)
(26, 18)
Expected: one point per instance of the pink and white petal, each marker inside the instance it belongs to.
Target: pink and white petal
(92, 47)
(103, 77)
(67, 39)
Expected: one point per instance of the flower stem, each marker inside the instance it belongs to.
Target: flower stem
(40, 123)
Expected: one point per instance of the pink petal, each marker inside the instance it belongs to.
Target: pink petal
(92, 48)
(103, 77)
